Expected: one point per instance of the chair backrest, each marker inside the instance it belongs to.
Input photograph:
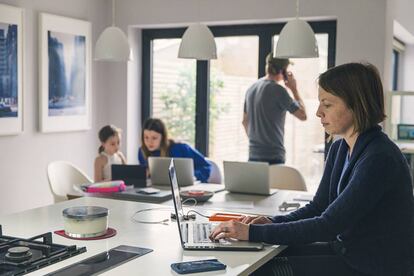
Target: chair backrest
(286, 178)
(62, 177)
(215, 174)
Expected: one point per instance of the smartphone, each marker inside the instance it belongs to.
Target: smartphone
(148, 191)
(197, 266)
(285, 75)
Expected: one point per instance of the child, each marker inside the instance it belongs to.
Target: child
(155, 142)
(110, 137)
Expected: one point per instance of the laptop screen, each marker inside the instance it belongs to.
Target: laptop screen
(175, 189)
(158, 167)
(135, 175)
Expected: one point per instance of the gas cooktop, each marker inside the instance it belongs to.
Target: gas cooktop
(19, 256)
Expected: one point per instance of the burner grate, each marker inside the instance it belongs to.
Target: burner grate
(19, 256)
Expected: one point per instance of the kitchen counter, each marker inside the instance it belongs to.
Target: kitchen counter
(163, 239)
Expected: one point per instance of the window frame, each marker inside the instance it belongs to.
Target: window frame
(265, 32)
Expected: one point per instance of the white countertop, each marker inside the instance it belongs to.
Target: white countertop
(163, 239)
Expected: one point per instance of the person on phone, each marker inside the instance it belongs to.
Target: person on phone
(360, 221)
(265, 109)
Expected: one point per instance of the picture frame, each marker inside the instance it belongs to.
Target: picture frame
(11, 71)
(65, 73)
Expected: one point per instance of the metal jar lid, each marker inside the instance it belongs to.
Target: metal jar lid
(85, 212)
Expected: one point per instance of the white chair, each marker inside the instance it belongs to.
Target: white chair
(63, 176)
(286, 178)
(215, 174)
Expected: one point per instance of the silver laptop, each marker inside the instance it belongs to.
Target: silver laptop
(158, 167)
(194, 236)
(247, 177)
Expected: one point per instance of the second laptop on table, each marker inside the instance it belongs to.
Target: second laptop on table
(247, 178)
(135, 177)
(158, 167)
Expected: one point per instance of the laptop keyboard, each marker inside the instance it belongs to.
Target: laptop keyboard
(201, 231)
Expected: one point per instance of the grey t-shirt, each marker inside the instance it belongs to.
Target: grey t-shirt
(266, 104)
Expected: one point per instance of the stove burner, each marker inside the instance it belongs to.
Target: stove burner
(18, 254)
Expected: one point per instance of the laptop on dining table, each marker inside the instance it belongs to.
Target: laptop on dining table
(132, 175)
(158, 168)
(195, 235)
(247, 178)
(135, 177)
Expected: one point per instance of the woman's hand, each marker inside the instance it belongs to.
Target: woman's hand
(231, 229)
(255, 220)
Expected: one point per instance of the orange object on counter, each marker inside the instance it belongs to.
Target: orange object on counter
(224, 217)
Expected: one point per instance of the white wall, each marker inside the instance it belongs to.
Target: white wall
(403, 12)
(361, 32)
(24, 157)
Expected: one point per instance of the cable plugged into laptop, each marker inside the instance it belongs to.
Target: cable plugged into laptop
(185, 217)
(189, 216)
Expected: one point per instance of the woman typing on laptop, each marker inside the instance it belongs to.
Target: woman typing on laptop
(360, 221)
(155, 142)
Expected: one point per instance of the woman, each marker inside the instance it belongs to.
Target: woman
(360, 221)
(155, 142)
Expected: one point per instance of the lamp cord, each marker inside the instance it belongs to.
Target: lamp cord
(297, 9)
(113, 12)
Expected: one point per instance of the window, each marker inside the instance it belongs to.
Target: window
(202, 102)
(394, 72)
(397, 50)
(173, 90)
(230, 76)
(303, 140)
(401, 102)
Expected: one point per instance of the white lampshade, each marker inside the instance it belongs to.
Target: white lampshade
(296, 40)
(198, 43)
(112, 45)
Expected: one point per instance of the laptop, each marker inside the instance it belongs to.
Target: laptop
(132, 175)
(193, 235)
(247, 177)
(158, 167)
(135, 177)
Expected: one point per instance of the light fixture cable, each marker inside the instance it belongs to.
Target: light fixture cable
(297, 9)
(113, 12)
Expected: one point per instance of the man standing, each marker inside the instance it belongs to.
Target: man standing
(265, 109)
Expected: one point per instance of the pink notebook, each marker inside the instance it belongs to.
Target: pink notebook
(105, 187)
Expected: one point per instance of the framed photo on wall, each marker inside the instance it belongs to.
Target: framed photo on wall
(65, 73)
(11, 70)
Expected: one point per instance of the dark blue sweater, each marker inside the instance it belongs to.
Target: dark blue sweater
(202, 167)
(373, 214)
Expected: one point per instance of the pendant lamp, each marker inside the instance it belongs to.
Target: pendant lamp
(198, 43)
(112, 44)
(296, 40)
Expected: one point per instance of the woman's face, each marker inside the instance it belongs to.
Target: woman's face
(335, 116)
(152, 139)
(111, 145)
